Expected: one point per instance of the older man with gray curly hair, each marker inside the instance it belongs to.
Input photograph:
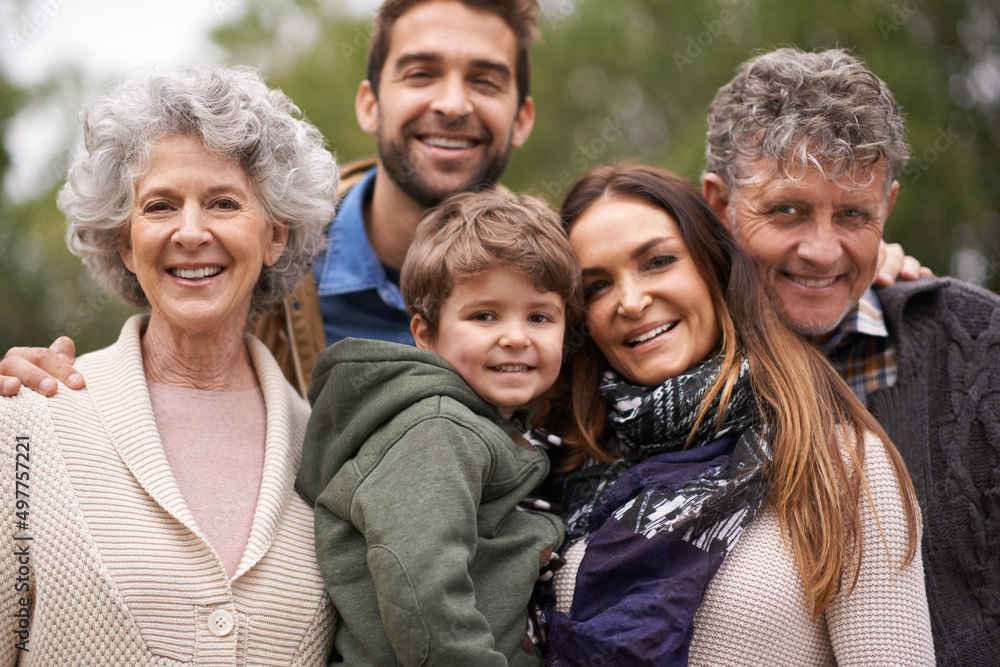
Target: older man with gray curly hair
(158, 519)
(803, 154)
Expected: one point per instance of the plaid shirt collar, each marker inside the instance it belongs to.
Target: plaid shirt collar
(861, 350)
(866, 319)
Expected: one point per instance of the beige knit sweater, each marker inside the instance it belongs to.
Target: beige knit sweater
(755, 610)
(102, 563)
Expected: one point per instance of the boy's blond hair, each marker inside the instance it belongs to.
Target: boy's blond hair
(470, 233)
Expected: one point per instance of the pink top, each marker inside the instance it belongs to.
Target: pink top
(214, 442)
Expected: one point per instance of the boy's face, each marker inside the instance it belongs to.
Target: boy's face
(501, 334)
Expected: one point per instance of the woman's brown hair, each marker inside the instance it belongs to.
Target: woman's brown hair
(816, 425)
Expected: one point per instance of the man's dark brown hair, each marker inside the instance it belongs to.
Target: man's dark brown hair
(520, 15)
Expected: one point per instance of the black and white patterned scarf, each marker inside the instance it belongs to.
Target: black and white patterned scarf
(663, 517)
(711, 510)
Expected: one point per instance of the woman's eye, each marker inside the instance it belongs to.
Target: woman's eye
(593, 289)
(157, 207)
(660, 261)
(227, 205)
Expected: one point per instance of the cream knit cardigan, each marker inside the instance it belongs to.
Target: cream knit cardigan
(755, 610)
(119, 572)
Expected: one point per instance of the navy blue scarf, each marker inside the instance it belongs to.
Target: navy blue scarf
(657, 530)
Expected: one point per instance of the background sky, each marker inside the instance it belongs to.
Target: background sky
(103, 39)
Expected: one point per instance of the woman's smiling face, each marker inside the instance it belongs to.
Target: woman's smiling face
(198, 237)
(648, 308)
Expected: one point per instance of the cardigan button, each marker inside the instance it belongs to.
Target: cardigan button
(220, 623)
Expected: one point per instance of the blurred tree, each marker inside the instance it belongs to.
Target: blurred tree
(45, 292)
(618, 79)
(652, 68)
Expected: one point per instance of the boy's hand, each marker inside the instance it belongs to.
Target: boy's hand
(543, 558)
(894, 264)
(38, 368)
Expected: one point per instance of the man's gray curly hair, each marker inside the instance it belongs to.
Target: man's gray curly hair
(797, 110)
(233, 112)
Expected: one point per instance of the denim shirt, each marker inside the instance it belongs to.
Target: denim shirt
(356, 298)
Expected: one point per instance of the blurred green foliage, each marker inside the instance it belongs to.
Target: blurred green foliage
(617, 79)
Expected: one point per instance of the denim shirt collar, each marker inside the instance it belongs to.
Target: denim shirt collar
(349, 263)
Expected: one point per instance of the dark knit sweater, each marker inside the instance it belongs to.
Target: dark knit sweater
(943, 413)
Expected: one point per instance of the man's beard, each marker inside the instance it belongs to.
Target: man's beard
(399, 166)
(818, 332)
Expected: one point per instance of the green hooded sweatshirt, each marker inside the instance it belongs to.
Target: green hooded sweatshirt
(415, 479)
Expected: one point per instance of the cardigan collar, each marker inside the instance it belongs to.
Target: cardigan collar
(117, 386)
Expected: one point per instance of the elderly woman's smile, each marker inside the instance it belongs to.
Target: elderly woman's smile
(198, 236)
(179, 201)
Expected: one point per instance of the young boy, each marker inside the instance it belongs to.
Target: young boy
(413, 456)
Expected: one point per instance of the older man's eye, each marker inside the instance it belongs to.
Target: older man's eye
(855, 218)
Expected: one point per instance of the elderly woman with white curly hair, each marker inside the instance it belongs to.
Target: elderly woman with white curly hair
(150, 519)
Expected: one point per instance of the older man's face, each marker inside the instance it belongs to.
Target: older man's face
(816, 242)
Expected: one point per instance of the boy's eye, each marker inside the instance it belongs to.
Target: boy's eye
(482, 317)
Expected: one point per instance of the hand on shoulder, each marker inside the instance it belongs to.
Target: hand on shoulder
(38, 368)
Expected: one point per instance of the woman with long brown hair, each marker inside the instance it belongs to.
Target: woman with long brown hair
(733, 501)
